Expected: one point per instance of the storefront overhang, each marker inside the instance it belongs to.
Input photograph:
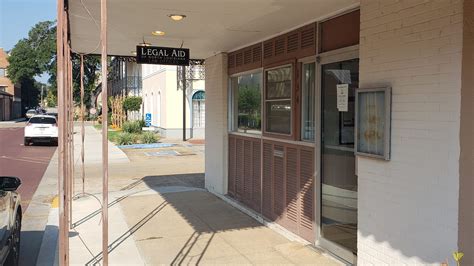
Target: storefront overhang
(210, 26)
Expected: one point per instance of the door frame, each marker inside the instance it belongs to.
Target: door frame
(343, 54)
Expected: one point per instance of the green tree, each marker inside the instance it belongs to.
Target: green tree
(36, 55)
(32, 57)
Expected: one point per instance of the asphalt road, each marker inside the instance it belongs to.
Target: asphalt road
(27, 163)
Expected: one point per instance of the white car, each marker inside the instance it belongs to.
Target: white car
(30, 113)
(41, 128)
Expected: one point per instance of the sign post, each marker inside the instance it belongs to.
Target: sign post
(148, 119)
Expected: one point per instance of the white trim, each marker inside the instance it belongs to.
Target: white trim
(336, 13)
(248, 135)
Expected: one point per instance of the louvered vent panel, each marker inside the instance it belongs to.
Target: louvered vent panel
(239, 59)
(257, 54)
(267, 179)
(280, 46)
(308, 37)
(256, 175)
(292, 184)
(306, 188)
(248, 56)
(231, 181)
(292, 42)
(231, 61)
(239, 166)
(278, 180)
(247, 193)
(268, 49)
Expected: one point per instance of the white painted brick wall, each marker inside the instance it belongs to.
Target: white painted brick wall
(408, 207)
(216, 124)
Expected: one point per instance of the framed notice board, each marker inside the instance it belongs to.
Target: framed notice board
(373, 122)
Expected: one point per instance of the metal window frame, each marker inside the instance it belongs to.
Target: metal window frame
(388, 121)
(232, 126)
(291, 99)
(305, 61)
(343, 54)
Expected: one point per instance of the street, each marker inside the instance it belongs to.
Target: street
(27, 163)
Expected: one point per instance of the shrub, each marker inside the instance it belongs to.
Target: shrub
(125, 138)
(132, 127)
(149, 137)
(142, 123)
(132, 103)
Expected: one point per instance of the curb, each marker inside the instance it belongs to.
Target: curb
(48, 250)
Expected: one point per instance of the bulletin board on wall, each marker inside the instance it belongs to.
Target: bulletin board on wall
(373, 122)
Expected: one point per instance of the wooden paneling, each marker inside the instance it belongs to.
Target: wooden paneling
(290, 46)
(245, 59)
(284, 191)
(231, 163)
(267, 198)
(244, 170)
(288, 178)
(340, 32)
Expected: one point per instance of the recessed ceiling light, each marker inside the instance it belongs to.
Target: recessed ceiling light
(176, 17)
(158, 33)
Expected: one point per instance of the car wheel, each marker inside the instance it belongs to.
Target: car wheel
(14, 254)
(27, 143)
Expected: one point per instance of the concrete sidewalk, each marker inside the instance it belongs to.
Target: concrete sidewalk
(160, 213)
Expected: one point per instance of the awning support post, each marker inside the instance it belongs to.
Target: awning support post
(105, 159)
(83, 175)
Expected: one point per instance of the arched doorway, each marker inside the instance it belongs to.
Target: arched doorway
(199, 109)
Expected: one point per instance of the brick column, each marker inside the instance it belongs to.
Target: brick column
(216, 124)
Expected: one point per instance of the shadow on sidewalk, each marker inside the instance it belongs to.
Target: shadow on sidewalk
(30, 244)
(204, 212)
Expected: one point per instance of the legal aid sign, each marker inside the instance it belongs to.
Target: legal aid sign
(162, 55)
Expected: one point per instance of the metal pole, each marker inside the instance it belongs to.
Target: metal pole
(63, 238)
(71, 135)
(82, 125)
(183, 78)
(105, 159)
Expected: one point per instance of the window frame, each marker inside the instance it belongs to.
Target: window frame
(232, 108)
(301, 63)
(294, 116)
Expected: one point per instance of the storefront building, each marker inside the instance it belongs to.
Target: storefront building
(291, 159)
(350, 129)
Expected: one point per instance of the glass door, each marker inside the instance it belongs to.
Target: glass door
(338, 191)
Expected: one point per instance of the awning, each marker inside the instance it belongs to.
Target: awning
(210, 26)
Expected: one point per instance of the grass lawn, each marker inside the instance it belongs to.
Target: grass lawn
(112, 133)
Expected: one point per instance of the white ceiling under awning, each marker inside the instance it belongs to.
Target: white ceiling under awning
(211, 26)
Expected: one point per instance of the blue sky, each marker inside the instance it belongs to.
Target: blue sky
(17, 17)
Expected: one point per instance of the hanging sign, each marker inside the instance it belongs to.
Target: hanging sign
(162, 55)
(342, 97)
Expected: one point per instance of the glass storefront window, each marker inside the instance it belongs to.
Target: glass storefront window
(278, 101)
(245, 105)
(307, 100)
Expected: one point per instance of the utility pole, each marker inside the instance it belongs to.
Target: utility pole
(183, 78)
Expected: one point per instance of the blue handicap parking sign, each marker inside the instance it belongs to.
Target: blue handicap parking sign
(148, 119)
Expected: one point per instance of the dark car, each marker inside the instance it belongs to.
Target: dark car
(10, 223)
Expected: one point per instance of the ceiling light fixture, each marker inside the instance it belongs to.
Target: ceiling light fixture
(176, 17)
(158, 33)
(134, 52)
